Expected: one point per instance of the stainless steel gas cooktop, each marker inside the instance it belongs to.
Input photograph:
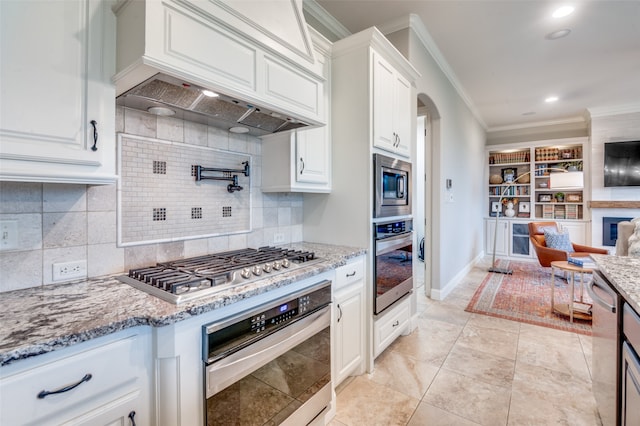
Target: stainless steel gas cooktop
(188, 279)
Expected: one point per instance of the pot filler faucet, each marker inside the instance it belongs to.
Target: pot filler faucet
(233, 186)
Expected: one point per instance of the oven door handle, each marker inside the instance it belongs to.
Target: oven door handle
(396, 242)
(232, 368)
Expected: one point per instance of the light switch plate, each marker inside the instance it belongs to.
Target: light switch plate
(8, 234)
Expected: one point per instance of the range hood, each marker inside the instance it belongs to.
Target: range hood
(166, 95)
(256, 55)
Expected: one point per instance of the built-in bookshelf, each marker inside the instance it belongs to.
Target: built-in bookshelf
(521, 174)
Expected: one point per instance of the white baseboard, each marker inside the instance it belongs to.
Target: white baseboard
(440, 294)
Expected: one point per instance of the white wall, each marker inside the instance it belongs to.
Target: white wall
(610, 128)
(458, 150)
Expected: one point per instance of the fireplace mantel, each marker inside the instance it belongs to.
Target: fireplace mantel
(614, 204)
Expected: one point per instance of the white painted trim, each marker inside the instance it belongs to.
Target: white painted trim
(617, 110)
(572, 120)
(443, 292)
(327, 20)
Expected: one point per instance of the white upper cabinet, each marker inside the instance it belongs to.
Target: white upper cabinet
(56, 68)
(312, 156)
(391, 108)
(300, 161)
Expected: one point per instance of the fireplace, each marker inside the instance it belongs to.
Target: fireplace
(610, 229)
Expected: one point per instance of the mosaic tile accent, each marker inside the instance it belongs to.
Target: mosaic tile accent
(160, 167)
(160, 214)
(142, 189)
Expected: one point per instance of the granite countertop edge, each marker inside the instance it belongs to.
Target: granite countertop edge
(44, 319)
(622, 273)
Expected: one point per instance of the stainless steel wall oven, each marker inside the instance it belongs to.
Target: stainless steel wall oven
(392, 187)
(271, 365)
(393, 262)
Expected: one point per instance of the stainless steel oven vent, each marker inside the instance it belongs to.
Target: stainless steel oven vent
(188, 101)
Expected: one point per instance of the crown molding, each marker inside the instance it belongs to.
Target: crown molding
(413, 22)
(548, 123)
(616, 110)
(324, 18)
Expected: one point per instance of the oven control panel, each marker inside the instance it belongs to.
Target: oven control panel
(222, 338)
(389, 229)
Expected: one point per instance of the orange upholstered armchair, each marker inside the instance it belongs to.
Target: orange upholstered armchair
(546, 255)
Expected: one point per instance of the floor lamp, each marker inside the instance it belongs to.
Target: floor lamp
(563, 180)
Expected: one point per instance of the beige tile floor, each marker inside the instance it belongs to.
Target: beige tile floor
(459, 368)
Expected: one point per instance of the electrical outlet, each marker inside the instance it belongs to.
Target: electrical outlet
(8, 234)
(69, 270)
(278, 237)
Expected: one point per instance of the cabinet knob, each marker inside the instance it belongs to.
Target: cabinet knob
(131, 417)
(301, 165)
(351, 274)
(396, 323)
(340, 313)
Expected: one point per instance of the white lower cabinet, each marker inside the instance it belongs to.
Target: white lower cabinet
(391, 324)
(348, 345)
(500, 237)
(105, 381)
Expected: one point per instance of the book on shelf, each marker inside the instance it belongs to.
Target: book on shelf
(583, 262)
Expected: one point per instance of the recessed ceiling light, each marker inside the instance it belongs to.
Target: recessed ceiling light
(239, 129)
(558, 34)
(209, 93)
(563, 11)
(163, 111)
(551, 99)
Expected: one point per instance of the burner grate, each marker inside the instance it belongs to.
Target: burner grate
(219, 270)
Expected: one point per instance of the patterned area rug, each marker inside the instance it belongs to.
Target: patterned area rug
(525, 296)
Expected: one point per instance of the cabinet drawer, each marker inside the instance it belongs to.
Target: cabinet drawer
(116, 368)
(349, 273)
(390, 326)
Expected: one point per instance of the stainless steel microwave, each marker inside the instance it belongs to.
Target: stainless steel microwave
(392, 186)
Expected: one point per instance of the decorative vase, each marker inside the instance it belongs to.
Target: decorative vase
(509, 212)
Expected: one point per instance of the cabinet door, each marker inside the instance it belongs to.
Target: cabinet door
(402, 116)
(384, 77)
(349, 331)
(54, 83)
(576, 231)
(520, 245)
(501, 237)
(312, 156)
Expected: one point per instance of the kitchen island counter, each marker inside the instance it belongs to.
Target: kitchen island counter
(43, 319)
(623, 272)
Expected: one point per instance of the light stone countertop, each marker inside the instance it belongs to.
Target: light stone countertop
(43, 319)
(623, 272)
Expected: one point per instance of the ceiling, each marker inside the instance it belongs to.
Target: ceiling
(506, 67)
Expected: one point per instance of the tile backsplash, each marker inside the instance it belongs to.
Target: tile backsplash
(63, 222)
(159, 198)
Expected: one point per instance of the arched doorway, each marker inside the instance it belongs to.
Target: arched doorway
(427, 219)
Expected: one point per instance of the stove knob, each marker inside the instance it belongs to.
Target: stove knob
(266, 267)
(286, 263)
(256, 270)
(276, 265)
(245, 273)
